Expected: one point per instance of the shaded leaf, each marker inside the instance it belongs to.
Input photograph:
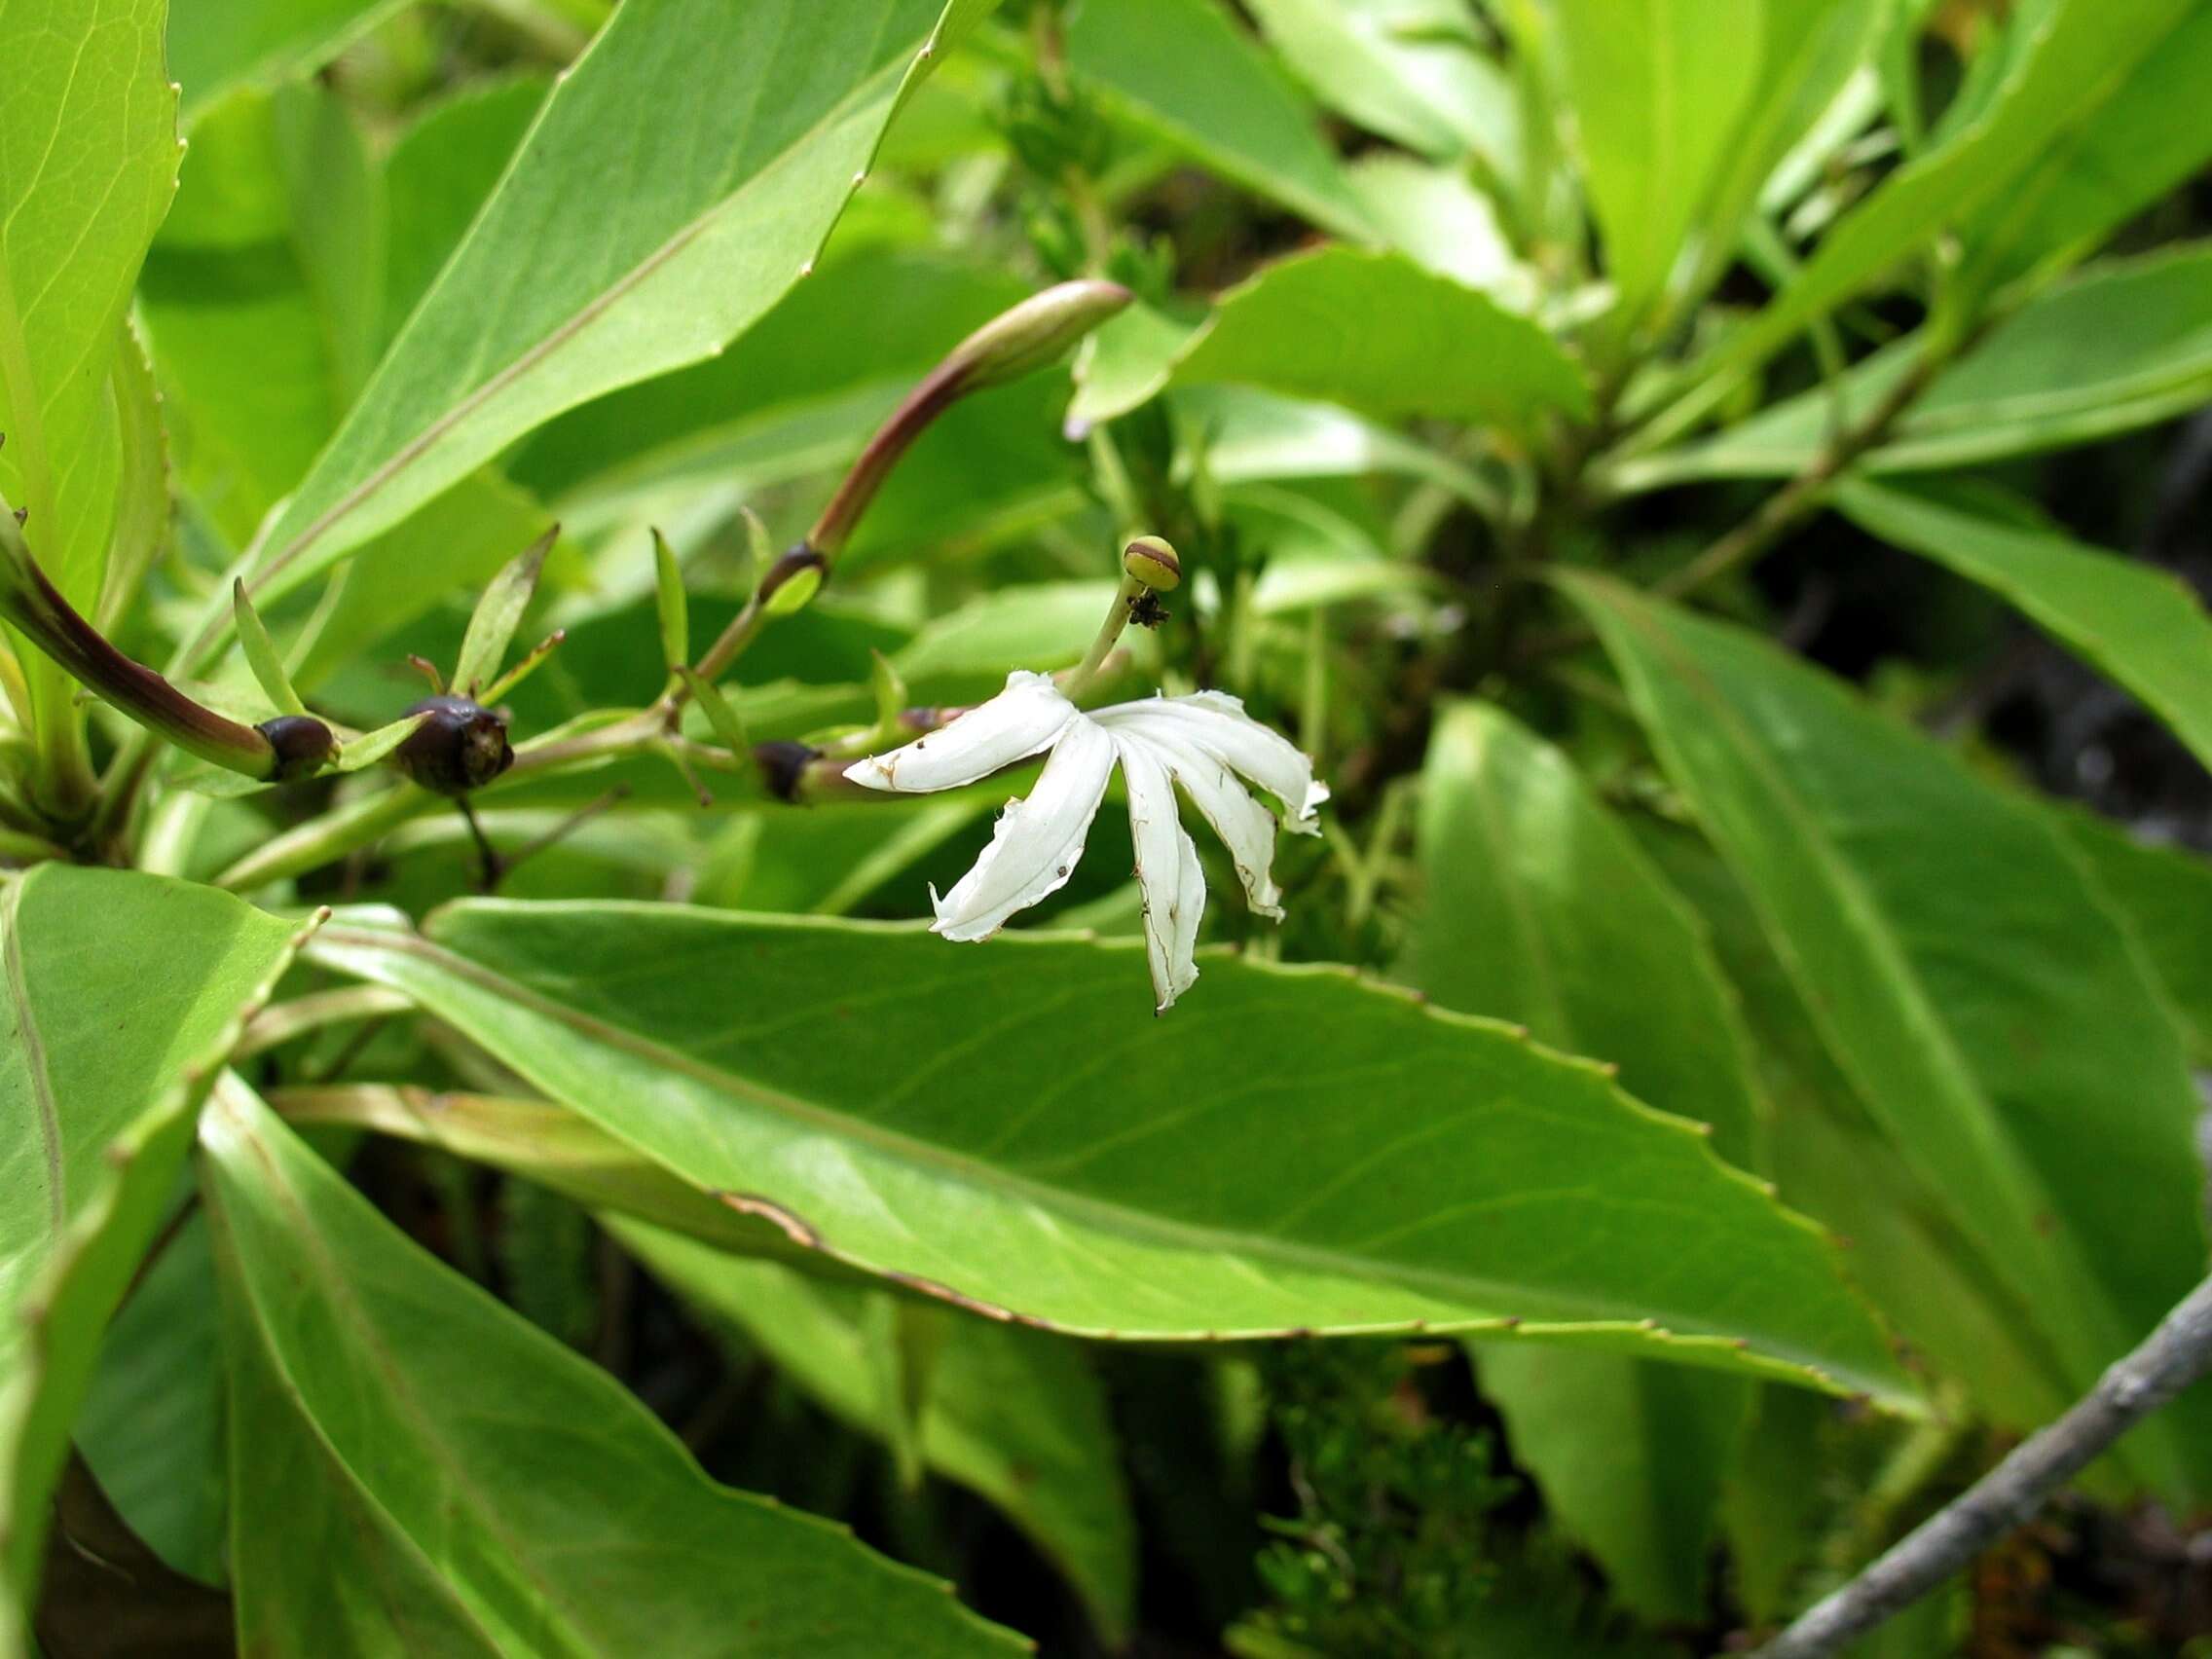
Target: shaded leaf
(1017, 1416)
(1993, 1018)
(2142, 625)
(118, 995)
(491, 1492)
(2165, 894)
(1540, 907)
(215, 45)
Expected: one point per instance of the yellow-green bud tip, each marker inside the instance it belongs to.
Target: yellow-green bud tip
(1150, 561)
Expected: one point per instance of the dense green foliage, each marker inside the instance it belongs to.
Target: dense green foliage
(1681, 473)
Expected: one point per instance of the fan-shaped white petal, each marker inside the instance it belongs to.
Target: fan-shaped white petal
(1019, 721)
(1168, 875)
(1036, 842)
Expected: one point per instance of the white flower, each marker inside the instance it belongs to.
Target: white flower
(1205, 741)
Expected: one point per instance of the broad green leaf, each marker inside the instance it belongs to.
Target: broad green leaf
(1193, 1178)
(2085, 73)
(1435, 216)
(438, 176)
(260, 301)
(1378, 334)
(1253, 435)
(1955, 1320)
(2165, 894)
(573, 281)
(798, 393)
(1406, 69)
(119, 996)
(2144, 626)
(422, 1460)
(215, 45)
(2119, 345)
(1015, 1416)
(1184, 69)
(1992, 1015)
(1657, 88)
(1538, 907)
(87, 164)
(152, 1423)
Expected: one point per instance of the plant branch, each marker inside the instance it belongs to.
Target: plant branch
(2173, 1356)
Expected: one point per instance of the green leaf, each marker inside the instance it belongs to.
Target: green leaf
(1771, 1510)
(436, 179)
(672, 605)
(1393, 1167)
(1406, 69)
(1015, 1416)
(1991, 1015)
(358, 753)
(1378, 334)
(2119, 345)
(2142, 625)
(119, 996)
(215, 45)
(2165, 894)
(1436, 217)
(142, 506)
(2035, 161)
(1955, 1320)
(262, 656)
(152, 1423)
(1186, 71)
(758, 132)
(260, 295)
(87, 164)
(497, 614)
(1540, 908)
(1657, 89)
(492, 1493)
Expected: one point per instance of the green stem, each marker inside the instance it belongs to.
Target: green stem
(1117, 619)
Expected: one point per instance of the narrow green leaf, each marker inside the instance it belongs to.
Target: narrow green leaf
(1540, 908)
(142, 506)
(87, 164)
(360, 753)
(261, 656)
(759, 131)
(2144, 626)
(119, 996)
(497, 614)
(2121, 345)
(1994, 1019)
(493, 1492)
(1015, 1416)
(1378, 334)
(1657, 90)
(671, 604)
(728, 724)
(1187, 1178)
(1184, 69)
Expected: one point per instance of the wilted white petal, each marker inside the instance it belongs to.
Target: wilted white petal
(1019, 721)
(1216, 724)
(1037, 841)
(1245, 827)
(1168, 875)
